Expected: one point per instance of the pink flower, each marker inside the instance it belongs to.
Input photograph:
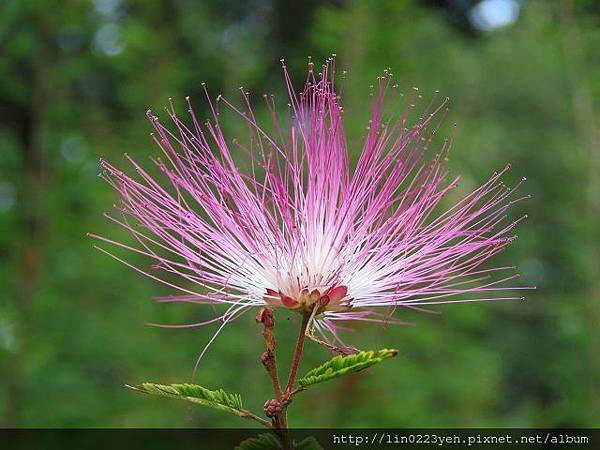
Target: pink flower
(286, 220)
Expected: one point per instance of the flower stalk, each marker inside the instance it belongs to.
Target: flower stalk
(297, 354)
(276, 408)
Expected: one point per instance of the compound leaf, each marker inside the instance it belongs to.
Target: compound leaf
(219, 399)
(341, 365)
(265, 441)
(269, 441)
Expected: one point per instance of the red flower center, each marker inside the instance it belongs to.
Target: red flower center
(307, 299)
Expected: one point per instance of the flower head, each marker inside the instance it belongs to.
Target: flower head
(293, 219)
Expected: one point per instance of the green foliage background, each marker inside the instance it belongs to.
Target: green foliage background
(76, 78)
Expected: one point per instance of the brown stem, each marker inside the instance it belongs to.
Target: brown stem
(297, 354)
(277, 409)
(278, 419)
(282, 417)
(265, 316)
(251, 415)
(272, 370)
(289, 390)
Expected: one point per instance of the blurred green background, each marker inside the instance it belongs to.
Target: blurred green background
(76, 78)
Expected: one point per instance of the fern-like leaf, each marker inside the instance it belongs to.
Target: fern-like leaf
(265, 441)
(218, 399)
(310, 443)
(341, 365)
(268, 441)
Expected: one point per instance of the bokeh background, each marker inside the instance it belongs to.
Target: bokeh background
(76, 78)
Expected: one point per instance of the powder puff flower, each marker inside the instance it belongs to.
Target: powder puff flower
(293, 219)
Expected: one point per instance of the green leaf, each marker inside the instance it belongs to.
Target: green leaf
(265, 441)
(269, 441)
(341, 365)
(219, 399)
(310, 443)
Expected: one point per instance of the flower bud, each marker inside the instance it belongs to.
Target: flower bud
(266, 358)
(272, 407)
(265, 316)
